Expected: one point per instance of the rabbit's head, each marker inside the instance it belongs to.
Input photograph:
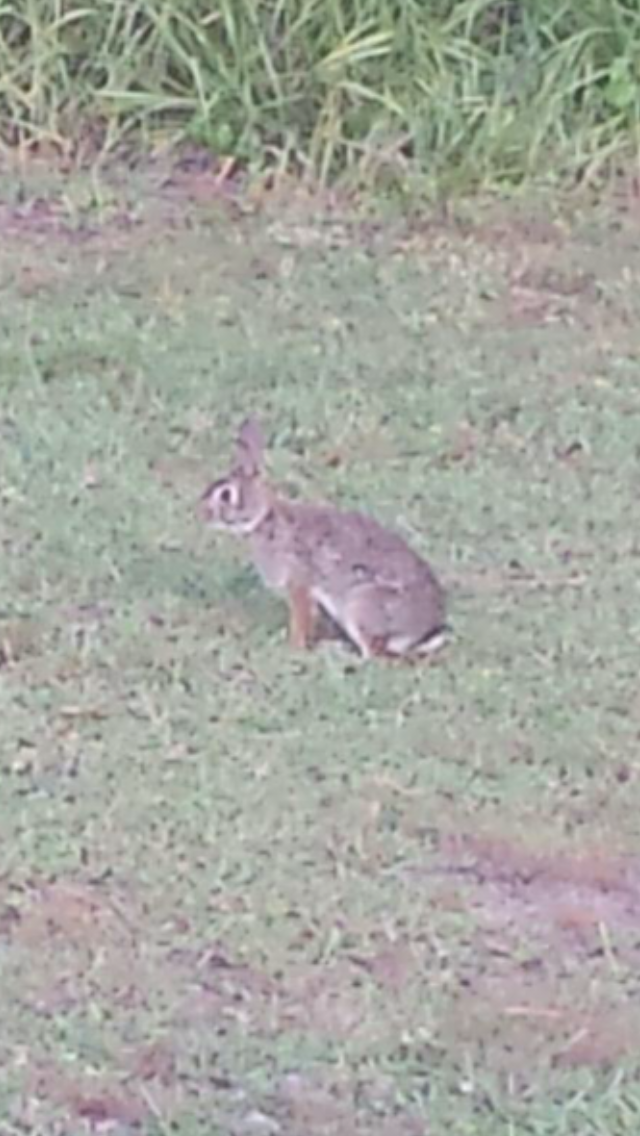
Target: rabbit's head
(241, 500)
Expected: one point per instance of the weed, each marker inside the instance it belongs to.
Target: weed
(444, 95)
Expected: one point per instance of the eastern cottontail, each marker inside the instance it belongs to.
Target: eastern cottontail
(378, 591)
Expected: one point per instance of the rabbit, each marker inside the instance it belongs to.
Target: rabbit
(380, 593)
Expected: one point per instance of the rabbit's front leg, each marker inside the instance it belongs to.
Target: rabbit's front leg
(302, 617)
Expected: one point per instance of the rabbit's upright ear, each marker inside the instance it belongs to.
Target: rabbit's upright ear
(250, 446)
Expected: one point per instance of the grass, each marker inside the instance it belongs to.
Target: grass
(439, 97)
(248, 891)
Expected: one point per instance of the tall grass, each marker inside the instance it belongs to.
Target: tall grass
(463, 91)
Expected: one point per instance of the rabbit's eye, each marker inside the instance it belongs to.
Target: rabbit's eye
(227, 495)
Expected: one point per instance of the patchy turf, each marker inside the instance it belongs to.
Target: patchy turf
(248, 892)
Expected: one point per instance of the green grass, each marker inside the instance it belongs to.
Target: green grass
(439, 96)
(247, 891)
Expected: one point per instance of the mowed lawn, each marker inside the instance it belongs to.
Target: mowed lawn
(248, 892)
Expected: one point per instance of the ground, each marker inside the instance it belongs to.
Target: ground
(252, 892)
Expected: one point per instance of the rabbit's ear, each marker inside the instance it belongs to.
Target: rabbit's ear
(250, 445)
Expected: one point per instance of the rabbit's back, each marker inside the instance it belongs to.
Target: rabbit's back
(335, 548)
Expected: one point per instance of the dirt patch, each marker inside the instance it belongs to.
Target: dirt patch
(550, 929)
(83, 941)
(494, 857)
(515, 1021)
(79, 913)
(537, 295)
(83, 1097)
(72, 206)
(331, 1000)
(569, 893)
(330, 1106)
